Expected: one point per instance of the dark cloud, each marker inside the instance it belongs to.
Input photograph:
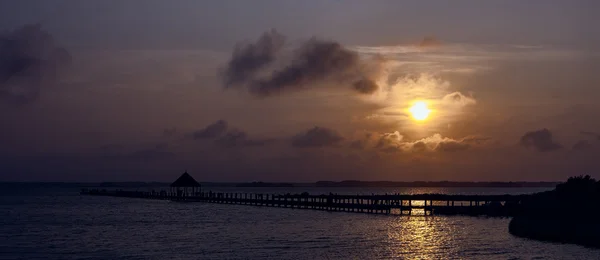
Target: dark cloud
(229, 137)
(248, 59)
(592, 134)
(232, 139)
(213, 130)
(458, 98)
(361, 144)
(540, 140)
(238, 138)
(419, 146)
(365, 86)
(315, 61)
(476, 140)
(29, 60)
(582, 145)
(389, 140)
(357, 144)
(317, 137)
(452, 146)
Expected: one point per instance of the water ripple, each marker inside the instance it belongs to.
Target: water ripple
(68, 226)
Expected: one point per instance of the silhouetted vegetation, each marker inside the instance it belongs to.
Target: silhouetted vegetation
(569, 213)
(354, 183)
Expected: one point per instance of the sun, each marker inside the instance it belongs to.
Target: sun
(419, 111)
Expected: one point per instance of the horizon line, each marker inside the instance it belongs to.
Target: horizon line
(280, 182)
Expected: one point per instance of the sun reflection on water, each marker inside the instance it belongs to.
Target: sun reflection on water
(423, 235)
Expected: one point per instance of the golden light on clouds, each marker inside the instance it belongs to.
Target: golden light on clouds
(419, 111)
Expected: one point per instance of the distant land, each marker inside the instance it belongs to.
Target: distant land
(351, 183)
(347, 183)
(266, 184)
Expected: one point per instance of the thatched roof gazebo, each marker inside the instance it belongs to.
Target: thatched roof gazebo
(186, 185)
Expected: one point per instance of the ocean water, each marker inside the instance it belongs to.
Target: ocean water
(55, 222)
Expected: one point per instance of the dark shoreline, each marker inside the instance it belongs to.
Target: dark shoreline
(568, 214)
(557, 229)
(328, 184)
(435, 184)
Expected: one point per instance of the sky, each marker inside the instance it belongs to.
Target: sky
(299, 91)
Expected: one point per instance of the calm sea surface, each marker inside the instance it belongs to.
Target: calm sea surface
(57, 223)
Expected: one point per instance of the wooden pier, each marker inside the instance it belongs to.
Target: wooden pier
(187, 189)
(420, 204)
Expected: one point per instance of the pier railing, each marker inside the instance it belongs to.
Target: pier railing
(426, 204)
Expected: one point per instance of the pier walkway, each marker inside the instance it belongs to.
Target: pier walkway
(419, 204)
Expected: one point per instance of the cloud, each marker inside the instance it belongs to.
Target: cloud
(248, 59)
(540, 140)
(365, 86)
(582, 145)
(317, 137)
(458, 98)
(357, 144)
(439, 143)
(314, 62)
(228, 137)
(29, 60)
(213, 130)
(389, 142)
(238, 138)
(395, 142)
(419, 146)
(476, 139)
(362, 142)
(592, 134)
(452, 146)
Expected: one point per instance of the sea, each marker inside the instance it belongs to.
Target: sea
(52, 221)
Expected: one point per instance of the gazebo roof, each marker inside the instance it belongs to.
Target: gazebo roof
(185, 180)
